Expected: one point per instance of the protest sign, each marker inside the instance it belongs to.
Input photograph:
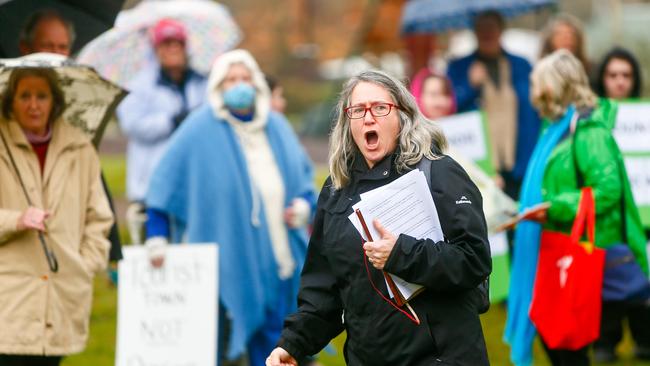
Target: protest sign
(466, 133)
(168, 316)
(632, 133)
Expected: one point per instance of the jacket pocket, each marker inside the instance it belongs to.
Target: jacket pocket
(336, 225)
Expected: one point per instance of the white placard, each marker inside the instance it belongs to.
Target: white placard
(498, 244)
(632, 129)
(168, 316)
(638, 171)
(464, 133)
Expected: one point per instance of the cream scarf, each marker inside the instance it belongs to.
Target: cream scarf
(500, 106)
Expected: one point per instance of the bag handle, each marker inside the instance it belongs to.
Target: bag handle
(586, 214)
(581, 181)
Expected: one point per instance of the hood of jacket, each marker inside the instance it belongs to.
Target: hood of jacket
(220, 69)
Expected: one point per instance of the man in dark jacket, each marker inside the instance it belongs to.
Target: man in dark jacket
(497, 82)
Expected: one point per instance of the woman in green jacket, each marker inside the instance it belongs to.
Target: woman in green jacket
(588, 149)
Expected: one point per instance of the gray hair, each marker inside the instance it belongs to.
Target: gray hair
(418, 137)
(559, 80)
(27, 32)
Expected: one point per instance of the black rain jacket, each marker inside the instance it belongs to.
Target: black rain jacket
(336, 295)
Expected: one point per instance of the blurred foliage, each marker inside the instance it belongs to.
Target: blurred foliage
(114, 169)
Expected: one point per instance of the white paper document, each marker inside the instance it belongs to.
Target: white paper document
(404, 206)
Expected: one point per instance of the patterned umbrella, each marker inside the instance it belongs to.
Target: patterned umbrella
(90, 99)
(126, 49)
(435, 16)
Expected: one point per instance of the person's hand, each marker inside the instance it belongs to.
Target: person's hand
(499, 181)
(156, 250)
(379, 250)
(297, 215)
(477, 74)
(32, 219)
(537, 213)
(280, 357)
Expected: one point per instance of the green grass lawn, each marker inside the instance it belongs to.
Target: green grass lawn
(101, 346)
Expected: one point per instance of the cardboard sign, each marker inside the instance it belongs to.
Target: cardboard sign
(632, 134)
(632, 129)
(466, 134)
(638, 171)
(168, 315)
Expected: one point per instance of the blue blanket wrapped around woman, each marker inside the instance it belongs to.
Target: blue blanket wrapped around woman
(203, 184)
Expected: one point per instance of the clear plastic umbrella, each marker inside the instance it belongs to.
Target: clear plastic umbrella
(120, 53)
(90, 99)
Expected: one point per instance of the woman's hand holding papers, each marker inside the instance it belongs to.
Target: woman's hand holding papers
(379, 250)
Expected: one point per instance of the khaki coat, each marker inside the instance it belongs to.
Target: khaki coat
(41, 312)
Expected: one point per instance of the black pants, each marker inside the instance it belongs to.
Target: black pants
(611, 324)
(21, 360)
(563, 357)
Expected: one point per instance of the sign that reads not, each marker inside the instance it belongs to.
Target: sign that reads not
(168, 316)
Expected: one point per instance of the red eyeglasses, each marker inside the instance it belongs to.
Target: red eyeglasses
(376, 110)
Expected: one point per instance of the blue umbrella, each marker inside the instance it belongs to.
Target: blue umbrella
(435, 16)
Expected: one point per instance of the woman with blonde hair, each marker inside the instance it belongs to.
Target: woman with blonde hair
(379, 136)
(576, 150)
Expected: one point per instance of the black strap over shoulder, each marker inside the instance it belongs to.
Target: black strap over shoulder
(425, 165)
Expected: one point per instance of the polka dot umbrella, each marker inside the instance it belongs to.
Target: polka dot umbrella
(120, 53)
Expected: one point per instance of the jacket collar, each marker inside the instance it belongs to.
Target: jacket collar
(382, 170)
(64, 137)
(164, 79)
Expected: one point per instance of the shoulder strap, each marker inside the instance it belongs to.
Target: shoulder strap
(425, 166)
(484, 287)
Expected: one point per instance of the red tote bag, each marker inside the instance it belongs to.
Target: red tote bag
(566, 302)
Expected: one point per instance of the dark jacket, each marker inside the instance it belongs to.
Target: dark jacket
(335, 283)
(528, 122)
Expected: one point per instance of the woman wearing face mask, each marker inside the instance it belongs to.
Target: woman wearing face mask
(236, 174)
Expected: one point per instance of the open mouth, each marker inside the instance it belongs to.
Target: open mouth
(372, 139)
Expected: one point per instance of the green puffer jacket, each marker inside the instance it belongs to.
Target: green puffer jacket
(599, 159)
